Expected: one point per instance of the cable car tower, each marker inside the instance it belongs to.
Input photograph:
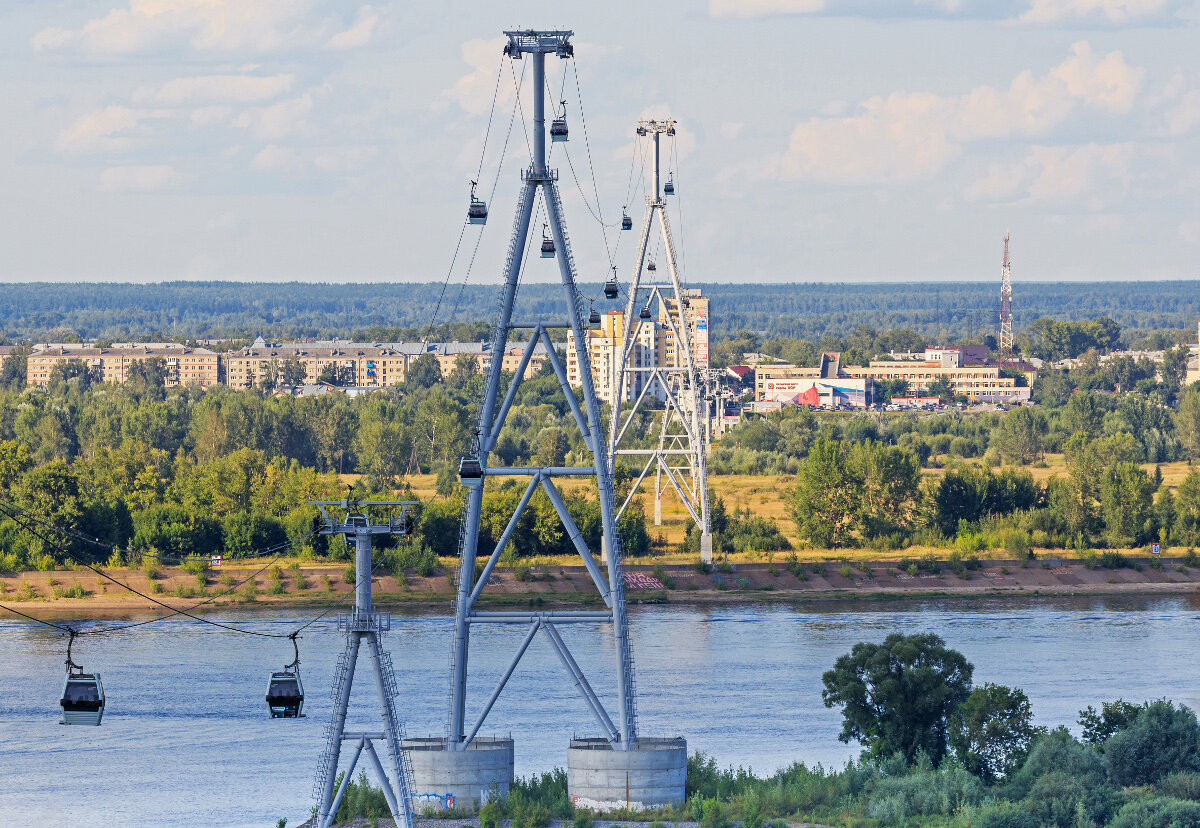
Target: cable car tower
(352, 520)
(462, 763)
(679, 455)
(1006, 319)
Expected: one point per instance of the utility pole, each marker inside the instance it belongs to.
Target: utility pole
(1006, 319)
(463, 763)
(352, 520)
(679, 456)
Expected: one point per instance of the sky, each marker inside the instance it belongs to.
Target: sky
(818, 140)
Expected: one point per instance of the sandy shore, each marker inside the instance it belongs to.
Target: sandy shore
(323, 585)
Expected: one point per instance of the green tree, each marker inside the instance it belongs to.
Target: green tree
(992, 730)
(891, 483)
(1082, 416)
(1187, 509)
(292, 372)
(1163, 739)
(828, 496)
(424, 372)
(1126, 501)
(1019, 436)
(1187, 422)
(1099, 725)
(898, 696)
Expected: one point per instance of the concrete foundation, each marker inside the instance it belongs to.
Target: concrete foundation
(470, 776)
(648, 775)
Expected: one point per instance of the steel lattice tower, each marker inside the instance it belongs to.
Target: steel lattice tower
(364, 624)
(679, 455)
(1006, 319)
(478, 468)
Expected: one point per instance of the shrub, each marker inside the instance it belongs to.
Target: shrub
(298, 576)
(1114, 560)
(155, 588)
(491, 813)
(1190, 558)
(76, 591)
(846, 571)
(1003, 815)
(523, 573)
(1158, 812)
(583, 819)
(702, 568)
(350, 575)
(276, 587)
(1181, 785)
(713, 815)
(326, 583)
(660, 572)
(1162, 739)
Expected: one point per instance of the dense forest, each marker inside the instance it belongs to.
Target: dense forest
(939, 311)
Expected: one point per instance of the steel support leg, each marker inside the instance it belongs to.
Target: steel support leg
(337, 799)
(338, 727)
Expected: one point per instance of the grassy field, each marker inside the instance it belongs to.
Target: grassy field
(768, 496)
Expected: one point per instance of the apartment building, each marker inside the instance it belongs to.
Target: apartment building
(656, 346)
(604, 348)
(184, 365)
(363, 365)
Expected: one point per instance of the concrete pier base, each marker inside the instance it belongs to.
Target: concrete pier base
(485, 768)
(706, 545)
(650, 774)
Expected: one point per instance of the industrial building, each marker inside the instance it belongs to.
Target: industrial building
(834, 384)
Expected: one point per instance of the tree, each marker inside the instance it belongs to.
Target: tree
(424, 372)
(1187, 509)
(992, 730)
(828, 495)
(1126, 501)
(941, 388)
(898, 696)
(891, 482)
(1163, 739)
(339, 375)
(1098, 726)
(1019, 435)
(292, 372)
(1187, 422)
(1083, 417)
(552, 447)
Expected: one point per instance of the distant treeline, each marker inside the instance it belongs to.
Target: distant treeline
(939, 311)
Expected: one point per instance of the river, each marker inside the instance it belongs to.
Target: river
(185, 739)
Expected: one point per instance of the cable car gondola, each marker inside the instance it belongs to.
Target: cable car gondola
(285, 691)
(669, 187)
(547, 244)
(610, 287)
(470, 473)
(558, 127)
(626, 221)
(83, 694)
(645, 314)
(477, 211)
(594, 317)
(650, 267)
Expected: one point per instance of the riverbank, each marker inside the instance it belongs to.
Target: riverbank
(81, 593)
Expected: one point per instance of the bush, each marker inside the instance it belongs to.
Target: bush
(361, 799)
(1003, 815)
(1158, 812)
(491, 813)
(583, 819)
(713, 815)
(523, 573)
(1163, 739)
(1181, 785)
(1114, 560)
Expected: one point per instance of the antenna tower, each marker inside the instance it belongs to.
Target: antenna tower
(1006, 319)
(678, 454)
(603, 771)
(361, 624)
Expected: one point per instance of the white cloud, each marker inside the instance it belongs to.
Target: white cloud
(762, 8)
(224, 221)
(1114, 12)
(211, 26)
(277, 121)
(272, 157)
(730, 130)
(98, 131)
(1185, 114)
(473, 91)
(911, 136)
(210, 89)
(140, 178)
(1091, 176)
(358, 34)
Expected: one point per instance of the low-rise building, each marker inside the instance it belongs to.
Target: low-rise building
(184, 365)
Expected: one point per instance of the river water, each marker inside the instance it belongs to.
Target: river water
(185, 739)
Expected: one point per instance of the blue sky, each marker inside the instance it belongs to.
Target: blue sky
(819, 140)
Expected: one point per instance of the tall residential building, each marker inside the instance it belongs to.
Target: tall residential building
(604, 345)
(655, 347)
(184, 365)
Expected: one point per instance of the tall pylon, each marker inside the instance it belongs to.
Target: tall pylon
(678, 455)
(463, 763)
(352, 519)
(1006, 319)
